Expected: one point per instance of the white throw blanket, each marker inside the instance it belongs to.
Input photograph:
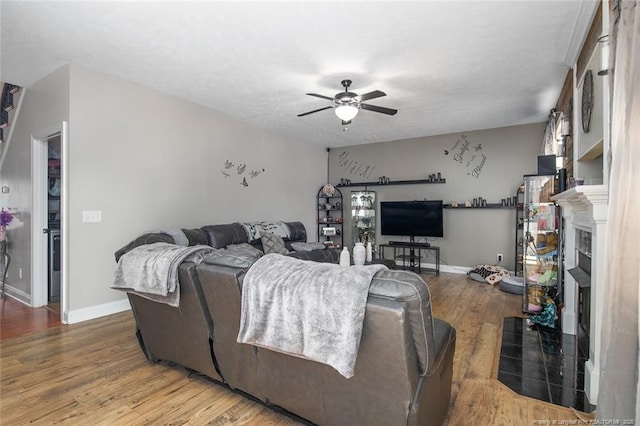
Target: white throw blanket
(151, 270)
(306, 309)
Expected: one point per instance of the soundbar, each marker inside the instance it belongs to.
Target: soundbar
(408, 244)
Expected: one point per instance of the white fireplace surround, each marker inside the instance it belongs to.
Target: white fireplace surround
(585, 208)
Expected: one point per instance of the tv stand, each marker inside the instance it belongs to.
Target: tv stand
(409, 243)
(410, 255)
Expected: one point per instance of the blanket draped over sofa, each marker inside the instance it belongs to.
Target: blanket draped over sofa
(151, 270)
(306, 309)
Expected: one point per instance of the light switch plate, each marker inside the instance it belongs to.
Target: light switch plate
(91, 216)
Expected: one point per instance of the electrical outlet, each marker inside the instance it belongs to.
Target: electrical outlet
(499, 257)
(91, 216)
(19, 273)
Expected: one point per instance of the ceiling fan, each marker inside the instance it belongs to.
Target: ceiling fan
(347, 104)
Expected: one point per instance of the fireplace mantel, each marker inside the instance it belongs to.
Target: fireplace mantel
(585, 208)
(586, 203)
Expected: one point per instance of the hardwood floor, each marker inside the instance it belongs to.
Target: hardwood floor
(95, 373)
(17, 319)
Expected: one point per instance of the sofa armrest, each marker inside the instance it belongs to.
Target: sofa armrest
(148, 238)
(444, 335)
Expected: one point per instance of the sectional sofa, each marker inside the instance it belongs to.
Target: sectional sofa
(404, 365)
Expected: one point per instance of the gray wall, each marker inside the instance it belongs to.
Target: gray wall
(44, 105)
(149, 161)
(470, 236)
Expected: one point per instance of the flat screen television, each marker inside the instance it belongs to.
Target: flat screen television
(412, 218)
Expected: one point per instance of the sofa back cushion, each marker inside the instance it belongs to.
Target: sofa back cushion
(330, 255)
(409, 288)
(196, 237)
(297, 232)
(220, 236)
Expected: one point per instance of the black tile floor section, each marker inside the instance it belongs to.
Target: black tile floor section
(543, 363)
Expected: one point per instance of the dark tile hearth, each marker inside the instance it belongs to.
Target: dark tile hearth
(543, 363)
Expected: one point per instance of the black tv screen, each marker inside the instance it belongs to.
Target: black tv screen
(412, 218)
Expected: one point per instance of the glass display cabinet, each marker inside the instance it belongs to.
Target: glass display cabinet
(541, 243)
(363, 217)
(519, 261)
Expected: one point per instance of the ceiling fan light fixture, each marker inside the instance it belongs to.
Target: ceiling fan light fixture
(346, 112)
(347, 104)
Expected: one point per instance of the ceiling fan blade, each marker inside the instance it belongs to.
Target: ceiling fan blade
(320, 96)
(383, 110)
(371, 95)
(346, 123)
(315, 110)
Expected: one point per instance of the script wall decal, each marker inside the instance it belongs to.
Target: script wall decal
(468, 156)
(354, 167)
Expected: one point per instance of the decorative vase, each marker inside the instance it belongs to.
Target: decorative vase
(359, 254)
(345, 257)
(3, 233)
(369, 255)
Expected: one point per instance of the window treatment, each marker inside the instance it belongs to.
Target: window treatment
(619, 387)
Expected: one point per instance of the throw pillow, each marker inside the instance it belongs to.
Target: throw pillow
(255, 229)
(308, 246)
(272, 243)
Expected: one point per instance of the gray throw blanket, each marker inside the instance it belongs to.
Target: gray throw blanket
(306, 309)
(151, 270)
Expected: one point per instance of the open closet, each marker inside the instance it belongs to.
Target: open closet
(54, 184)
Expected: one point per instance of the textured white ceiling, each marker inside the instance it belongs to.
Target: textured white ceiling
(447, 66)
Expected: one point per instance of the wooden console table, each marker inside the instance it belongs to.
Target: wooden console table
(410, 256)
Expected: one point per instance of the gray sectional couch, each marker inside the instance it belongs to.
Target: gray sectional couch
(404, 364)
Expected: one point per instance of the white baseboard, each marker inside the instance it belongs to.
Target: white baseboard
(591, 381)
(17, 294)
(97, 311)
(453, 269)
(443, 268)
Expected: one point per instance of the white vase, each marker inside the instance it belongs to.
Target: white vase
(359, 254)
(345, 257)
(369, 255)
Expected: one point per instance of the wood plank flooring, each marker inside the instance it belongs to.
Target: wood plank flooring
(95, 373)
(17, 318)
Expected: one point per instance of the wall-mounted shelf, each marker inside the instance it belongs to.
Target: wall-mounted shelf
(461, 206)
(394, 182)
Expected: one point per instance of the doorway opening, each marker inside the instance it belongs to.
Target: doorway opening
(54, 247)
(49, 242)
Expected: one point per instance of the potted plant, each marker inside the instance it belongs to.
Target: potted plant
(5, 220)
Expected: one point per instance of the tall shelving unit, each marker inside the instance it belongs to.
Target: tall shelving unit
(330, 217)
